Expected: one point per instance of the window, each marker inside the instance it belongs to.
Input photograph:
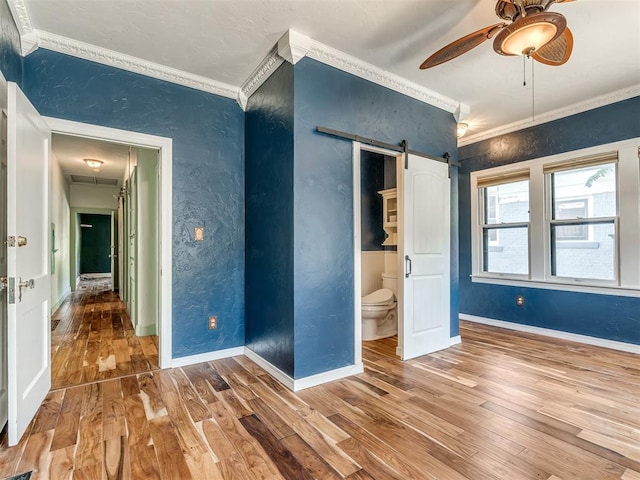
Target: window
(505, 237)
(572, 220)
(560, 222)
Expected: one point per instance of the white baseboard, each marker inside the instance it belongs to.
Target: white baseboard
(61, 299)
(96, 275)
(306, 382)
(206, 357)
(574, 337)
(455, 340)
(146, 330)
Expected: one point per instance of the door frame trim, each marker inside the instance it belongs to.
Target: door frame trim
(357, 250)
(165, 217)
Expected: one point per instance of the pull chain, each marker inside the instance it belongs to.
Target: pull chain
(524, 70)
(533, 92)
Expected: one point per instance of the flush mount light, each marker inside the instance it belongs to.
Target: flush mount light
(461, 129)
(93, 164)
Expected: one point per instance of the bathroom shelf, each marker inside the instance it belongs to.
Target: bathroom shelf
(390, 215)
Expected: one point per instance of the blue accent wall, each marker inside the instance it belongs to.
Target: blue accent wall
(208, 179)
(323, 198)
(604, 316)
(269, 220)
(10, 58)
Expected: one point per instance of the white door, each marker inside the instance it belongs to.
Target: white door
(28, 341)
(425, 253)
(4, 403)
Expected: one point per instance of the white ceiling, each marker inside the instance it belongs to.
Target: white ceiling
(71, 152)
(224, 40)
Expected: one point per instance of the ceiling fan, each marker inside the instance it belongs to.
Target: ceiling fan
(533, 31)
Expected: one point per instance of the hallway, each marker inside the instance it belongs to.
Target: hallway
(92, 338)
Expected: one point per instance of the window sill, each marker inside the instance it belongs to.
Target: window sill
(601, 290)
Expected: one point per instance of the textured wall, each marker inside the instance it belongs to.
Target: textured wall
(610, 317)
(323, 198)
(269, 220)
(10, 59)
(208, 179)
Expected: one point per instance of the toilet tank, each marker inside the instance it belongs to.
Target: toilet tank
(390, 281)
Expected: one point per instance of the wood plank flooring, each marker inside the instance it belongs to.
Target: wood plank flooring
(501, 405)
(94, 339)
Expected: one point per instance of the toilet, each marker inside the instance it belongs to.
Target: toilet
(379, 312)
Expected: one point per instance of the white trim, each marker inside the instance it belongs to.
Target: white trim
(260, 74)
(550, 285)
(455, 340)
(357, 255)
(94, 275)
(271, 369)
(293, 46)
(547, 332)
(347, 63)
(206, 357)
(61, 300)
(325, 377)
(306, 382)
(20, 16)
(165, 158)
(129, 63)
(601, 101)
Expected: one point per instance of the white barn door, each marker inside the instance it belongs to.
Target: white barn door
(28, 262)
(425, 253)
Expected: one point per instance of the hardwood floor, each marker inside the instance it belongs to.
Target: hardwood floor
(94, 339)
(501, 405)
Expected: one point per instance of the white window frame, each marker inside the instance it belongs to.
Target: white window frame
(627, 225)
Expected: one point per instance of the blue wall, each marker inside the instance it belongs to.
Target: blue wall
(323, 198)
(371, 182)
(10, 59)
(208, 179)
(604, 316)
(269, 220)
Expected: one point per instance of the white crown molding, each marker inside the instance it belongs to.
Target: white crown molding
(20, 16)
(293, 46)
(601, 101)
(347, 63)
(265, 68)
(104, 56)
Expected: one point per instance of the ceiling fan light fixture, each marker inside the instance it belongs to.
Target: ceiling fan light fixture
(93, 163)
(528, 34)
(461, 129)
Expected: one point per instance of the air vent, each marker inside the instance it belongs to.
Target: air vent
(94, 180)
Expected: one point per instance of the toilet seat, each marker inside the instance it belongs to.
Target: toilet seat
(383, 296)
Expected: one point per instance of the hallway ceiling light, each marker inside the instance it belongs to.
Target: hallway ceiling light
(461, 129)
(94, 164)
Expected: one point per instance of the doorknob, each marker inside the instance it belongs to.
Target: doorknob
(3, 283)
(407, 262)
(26, 284)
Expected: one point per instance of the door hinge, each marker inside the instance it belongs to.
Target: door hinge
(11, 290)
(11, 241)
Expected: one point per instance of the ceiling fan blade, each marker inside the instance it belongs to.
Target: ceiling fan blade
(462, 45)
(557, 51)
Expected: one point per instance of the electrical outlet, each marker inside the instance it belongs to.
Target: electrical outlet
(520, 301)
(213, 322)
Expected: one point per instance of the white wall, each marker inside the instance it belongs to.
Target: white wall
(60, 217)
(94, 196)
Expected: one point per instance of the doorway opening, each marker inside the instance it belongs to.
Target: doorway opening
(104, 207)
(401, 252)
(132, 191)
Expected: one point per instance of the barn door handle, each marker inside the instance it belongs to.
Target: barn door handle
(407, 262)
